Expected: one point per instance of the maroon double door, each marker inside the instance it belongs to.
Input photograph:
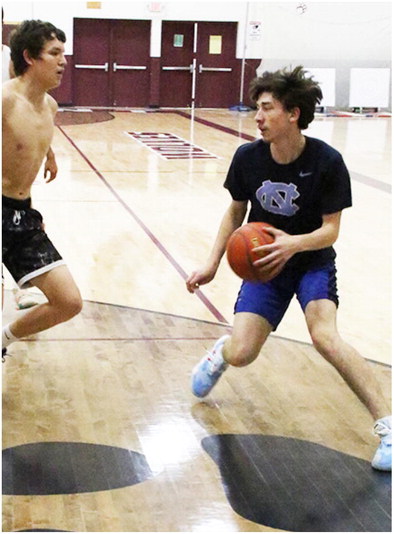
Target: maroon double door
(198, 64)
(112, 64)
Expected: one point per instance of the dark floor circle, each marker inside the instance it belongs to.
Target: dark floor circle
(296, 485)
(52, 468)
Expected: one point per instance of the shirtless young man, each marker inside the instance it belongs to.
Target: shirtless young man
(23, 298)
(37, 53)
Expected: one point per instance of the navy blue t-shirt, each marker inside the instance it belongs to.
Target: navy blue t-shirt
(292, 197)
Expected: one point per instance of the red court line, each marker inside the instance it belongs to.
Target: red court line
(120, 339)
(215, 312)
(366, 180)
(217, 126)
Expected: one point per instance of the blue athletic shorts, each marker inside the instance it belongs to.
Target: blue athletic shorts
(271, 299)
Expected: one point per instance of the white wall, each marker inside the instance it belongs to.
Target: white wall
(337, 34)
(62, 13)
(325, 31)
(341, 35)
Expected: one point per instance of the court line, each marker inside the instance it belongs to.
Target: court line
(361, 178)
(175, 338)
(372, 182)
(216, 313)
(170, 340)
(216, 126)
(120, 339)
(366, 180)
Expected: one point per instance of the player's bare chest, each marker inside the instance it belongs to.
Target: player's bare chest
(29, 126)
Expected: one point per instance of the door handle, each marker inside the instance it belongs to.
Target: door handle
(201, 69)
(116, 67)
(93, 67)
(189, 68)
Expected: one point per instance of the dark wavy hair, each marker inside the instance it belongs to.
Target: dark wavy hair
(31, 35)
(293, 88)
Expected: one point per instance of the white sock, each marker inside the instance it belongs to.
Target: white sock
(217, 353)
(7, 337)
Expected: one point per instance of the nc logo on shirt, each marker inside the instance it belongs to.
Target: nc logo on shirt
(278, 197)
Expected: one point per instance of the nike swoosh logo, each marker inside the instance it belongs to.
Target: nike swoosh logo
(303, 174)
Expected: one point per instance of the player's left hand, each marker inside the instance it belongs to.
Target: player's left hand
(50, 169)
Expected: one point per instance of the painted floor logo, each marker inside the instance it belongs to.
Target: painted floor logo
(170, 146)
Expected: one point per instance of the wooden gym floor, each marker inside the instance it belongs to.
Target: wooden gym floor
(100, 430)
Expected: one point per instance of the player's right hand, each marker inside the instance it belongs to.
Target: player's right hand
(197, 279)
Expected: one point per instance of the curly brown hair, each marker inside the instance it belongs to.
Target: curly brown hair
(293, 88)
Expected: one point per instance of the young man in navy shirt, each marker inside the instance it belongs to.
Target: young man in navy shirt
(300, 185)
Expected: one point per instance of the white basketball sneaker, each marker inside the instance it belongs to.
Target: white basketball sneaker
(25, 300)
(209, 370)
(382, 458)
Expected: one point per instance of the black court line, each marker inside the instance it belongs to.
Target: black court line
(171, 339)
(225, 325)
(216, 313)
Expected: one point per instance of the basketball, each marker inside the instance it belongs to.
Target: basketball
(240, 255)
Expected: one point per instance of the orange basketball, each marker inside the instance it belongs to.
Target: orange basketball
(240, 255)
